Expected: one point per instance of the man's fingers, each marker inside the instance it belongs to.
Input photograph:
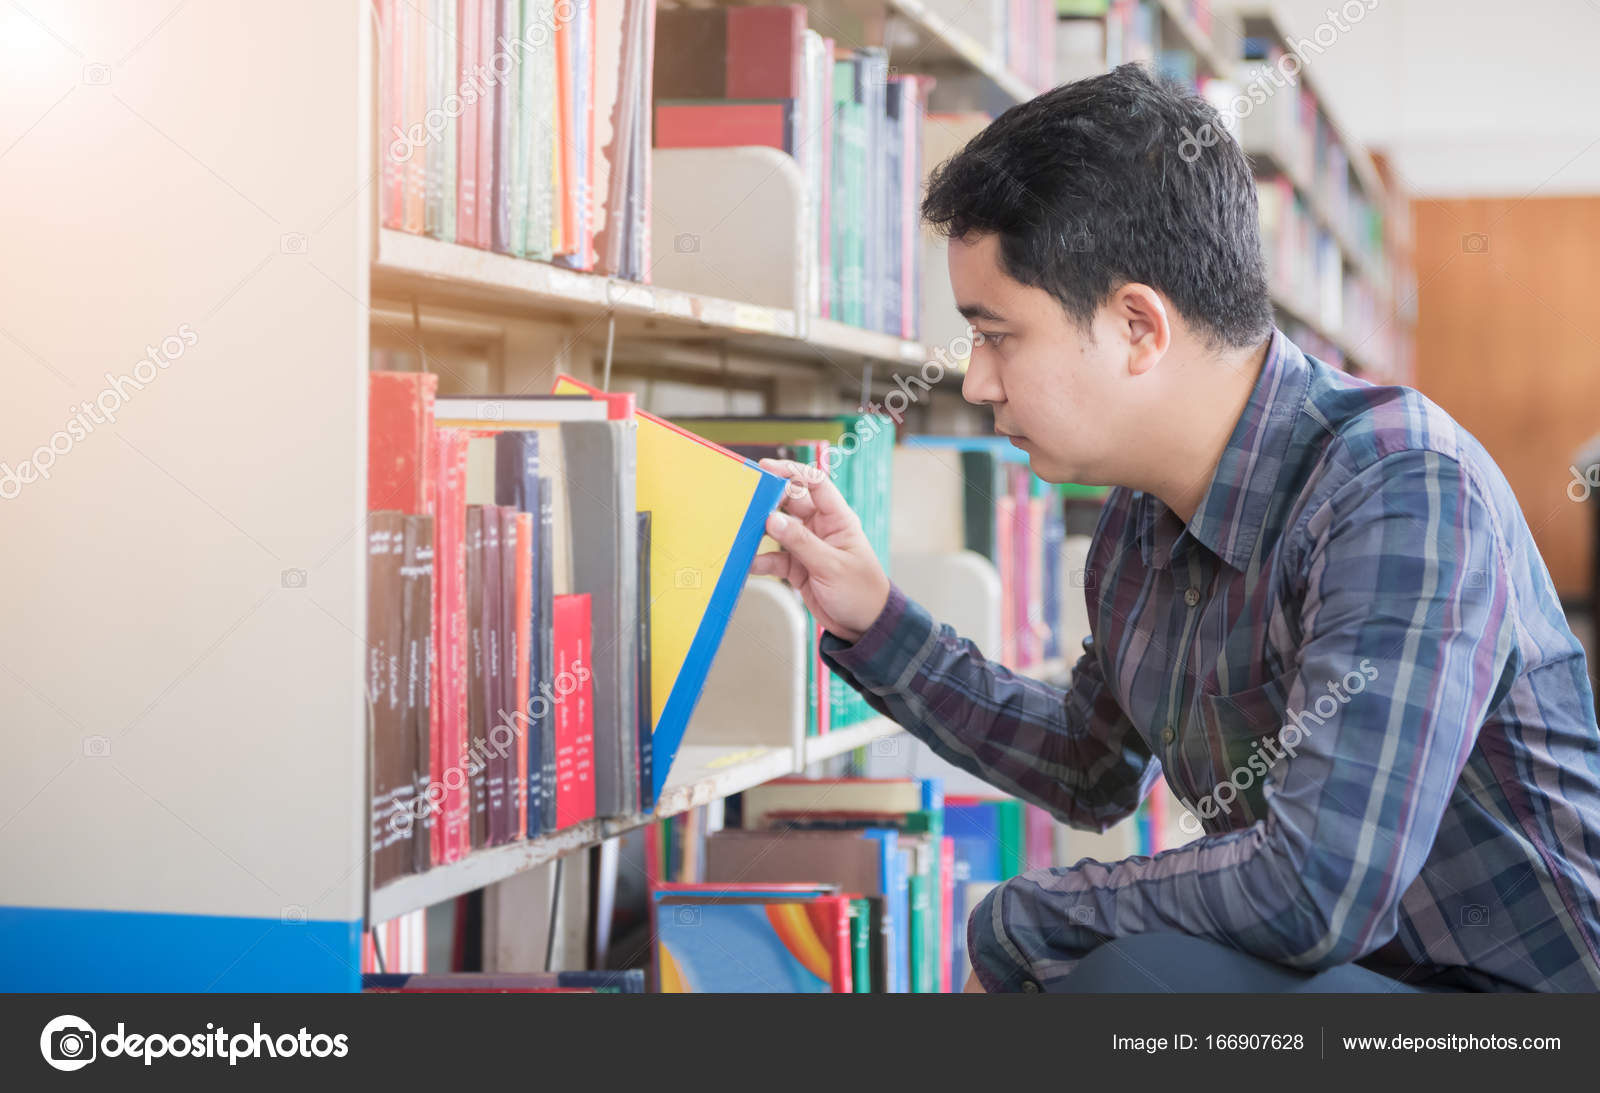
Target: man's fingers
(800, 541)
(814, 481)
(774, 563)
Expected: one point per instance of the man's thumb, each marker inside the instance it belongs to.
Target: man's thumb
(798, 540)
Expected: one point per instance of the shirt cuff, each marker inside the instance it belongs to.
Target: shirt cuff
(995, 958)
(895, 642)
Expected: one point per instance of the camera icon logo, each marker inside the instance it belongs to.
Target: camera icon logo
(292, 243)
(294, 578)
(1475, 243)
(685, 243)
(293, 915)
(885, 747)
(97, 74)
(68, 1043)
(686, 577)
(1474, 914)
(686, 916)
(1082, 916)
(1082, 578)
(97, 747)
(492, 411)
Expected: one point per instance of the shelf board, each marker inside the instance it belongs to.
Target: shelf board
(700, 774)
(1195, 40)
(830, 744)
(942, 43)
(415, 266)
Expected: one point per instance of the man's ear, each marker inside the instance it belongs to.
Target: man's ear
(1142, 314)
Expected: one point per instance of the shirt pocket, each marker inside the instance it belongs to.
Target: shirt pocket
(1235, 749)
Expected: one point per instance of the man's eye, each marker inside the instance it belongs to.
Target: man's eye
(984, 338)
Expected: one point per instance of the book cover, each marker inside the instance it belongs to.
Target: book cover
(753, 945)
(488, 123)
(549, 800)
(522, 660)
(770, 124)
(765, 52)
(449, 793)
(504, 727)
(507, 22)
(493, 657)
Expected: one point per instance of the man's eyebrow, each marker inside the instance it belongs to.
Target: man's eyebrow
(978, 311)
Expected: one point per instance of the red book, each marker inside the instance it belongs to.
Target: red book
(522, 643)
(766, 52)
(391, 101)
(574, 711)
(467, 34)
(448, 755)
(399, 448)
(726, 124)
(484, 108)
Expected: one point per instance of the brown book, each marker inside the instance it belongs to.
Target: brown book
(844, 858)
(390, 782)
(416, 576)
(477, 691)
(691, 52)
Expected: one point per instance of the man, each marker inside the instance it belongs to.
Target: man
(1316, 606)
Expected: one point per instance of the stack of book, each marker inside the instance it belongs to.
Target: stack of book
(520, 126)
(875, 845)
(535, 683)
(757, 75)
(857, 452)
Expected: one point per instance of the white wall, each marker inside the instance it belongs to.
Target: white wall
(1472, 96)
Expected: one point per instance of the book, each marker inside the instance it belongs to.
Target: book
(391, 782)
(448, 793)
(468, 33)
(869, 862)
(400, 423)
(752, 941)
(416, 581)
(600, 982)
(479, 661)
(768, 123)
(702, 542)
(574, 745)
(522, 665)
(492, 654)
(642, 700)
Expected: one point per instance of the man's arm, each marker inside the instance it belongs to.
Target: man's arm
(1405, 582)
(1072, 752)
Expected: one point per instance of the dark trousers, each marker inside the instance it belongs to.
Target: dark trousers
(1157, 963)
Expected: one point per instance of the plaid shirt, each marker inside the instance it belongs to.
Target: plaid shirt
(1352, 667)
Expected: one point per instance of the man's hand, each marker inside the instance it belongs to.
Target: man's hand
(825, 554)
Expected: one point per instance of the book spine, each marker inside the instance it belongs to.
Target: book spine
(433, 93)
(522, 642)
(384, 626)
(549, 787)
(505, 741)
(488, 123)
(582, 700)
(493, 667)
(471, 87)
(417, 578)
(642, 693)
(395, 141)
(567, 614)
(538, 703)
(505, 101)
(479, 660)
(449, 106)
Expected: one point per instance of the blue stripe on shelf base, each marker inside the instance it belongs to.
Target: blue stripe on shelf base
(48, 949)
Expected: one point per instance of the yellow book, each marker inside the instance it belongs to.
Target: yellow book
(709, 510)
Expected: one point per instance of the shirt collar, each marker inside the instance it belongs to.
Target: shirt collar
(1230, 515)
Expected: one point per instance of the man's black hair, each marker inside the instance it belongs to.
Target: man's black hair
(1115, 179)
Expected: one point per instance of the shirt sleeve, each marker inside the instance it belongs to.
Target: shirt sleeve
(1404, 586)
(1071, 752)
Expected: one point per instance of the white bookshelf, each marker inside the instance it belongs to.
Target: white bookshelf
(843, 741)
(1213, 60)
(940, 42)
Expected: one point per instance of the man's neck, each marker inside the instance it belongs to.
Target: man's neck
(1199, 420)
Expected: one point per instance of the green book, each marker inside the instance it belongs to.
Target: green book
(861, 946)
(848, 208)
(1013, 837)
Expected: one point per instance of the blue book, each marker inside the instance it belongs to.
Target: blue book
(975, 831)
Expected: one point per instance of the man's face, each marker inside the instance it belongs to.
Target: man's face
(1053, 390)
